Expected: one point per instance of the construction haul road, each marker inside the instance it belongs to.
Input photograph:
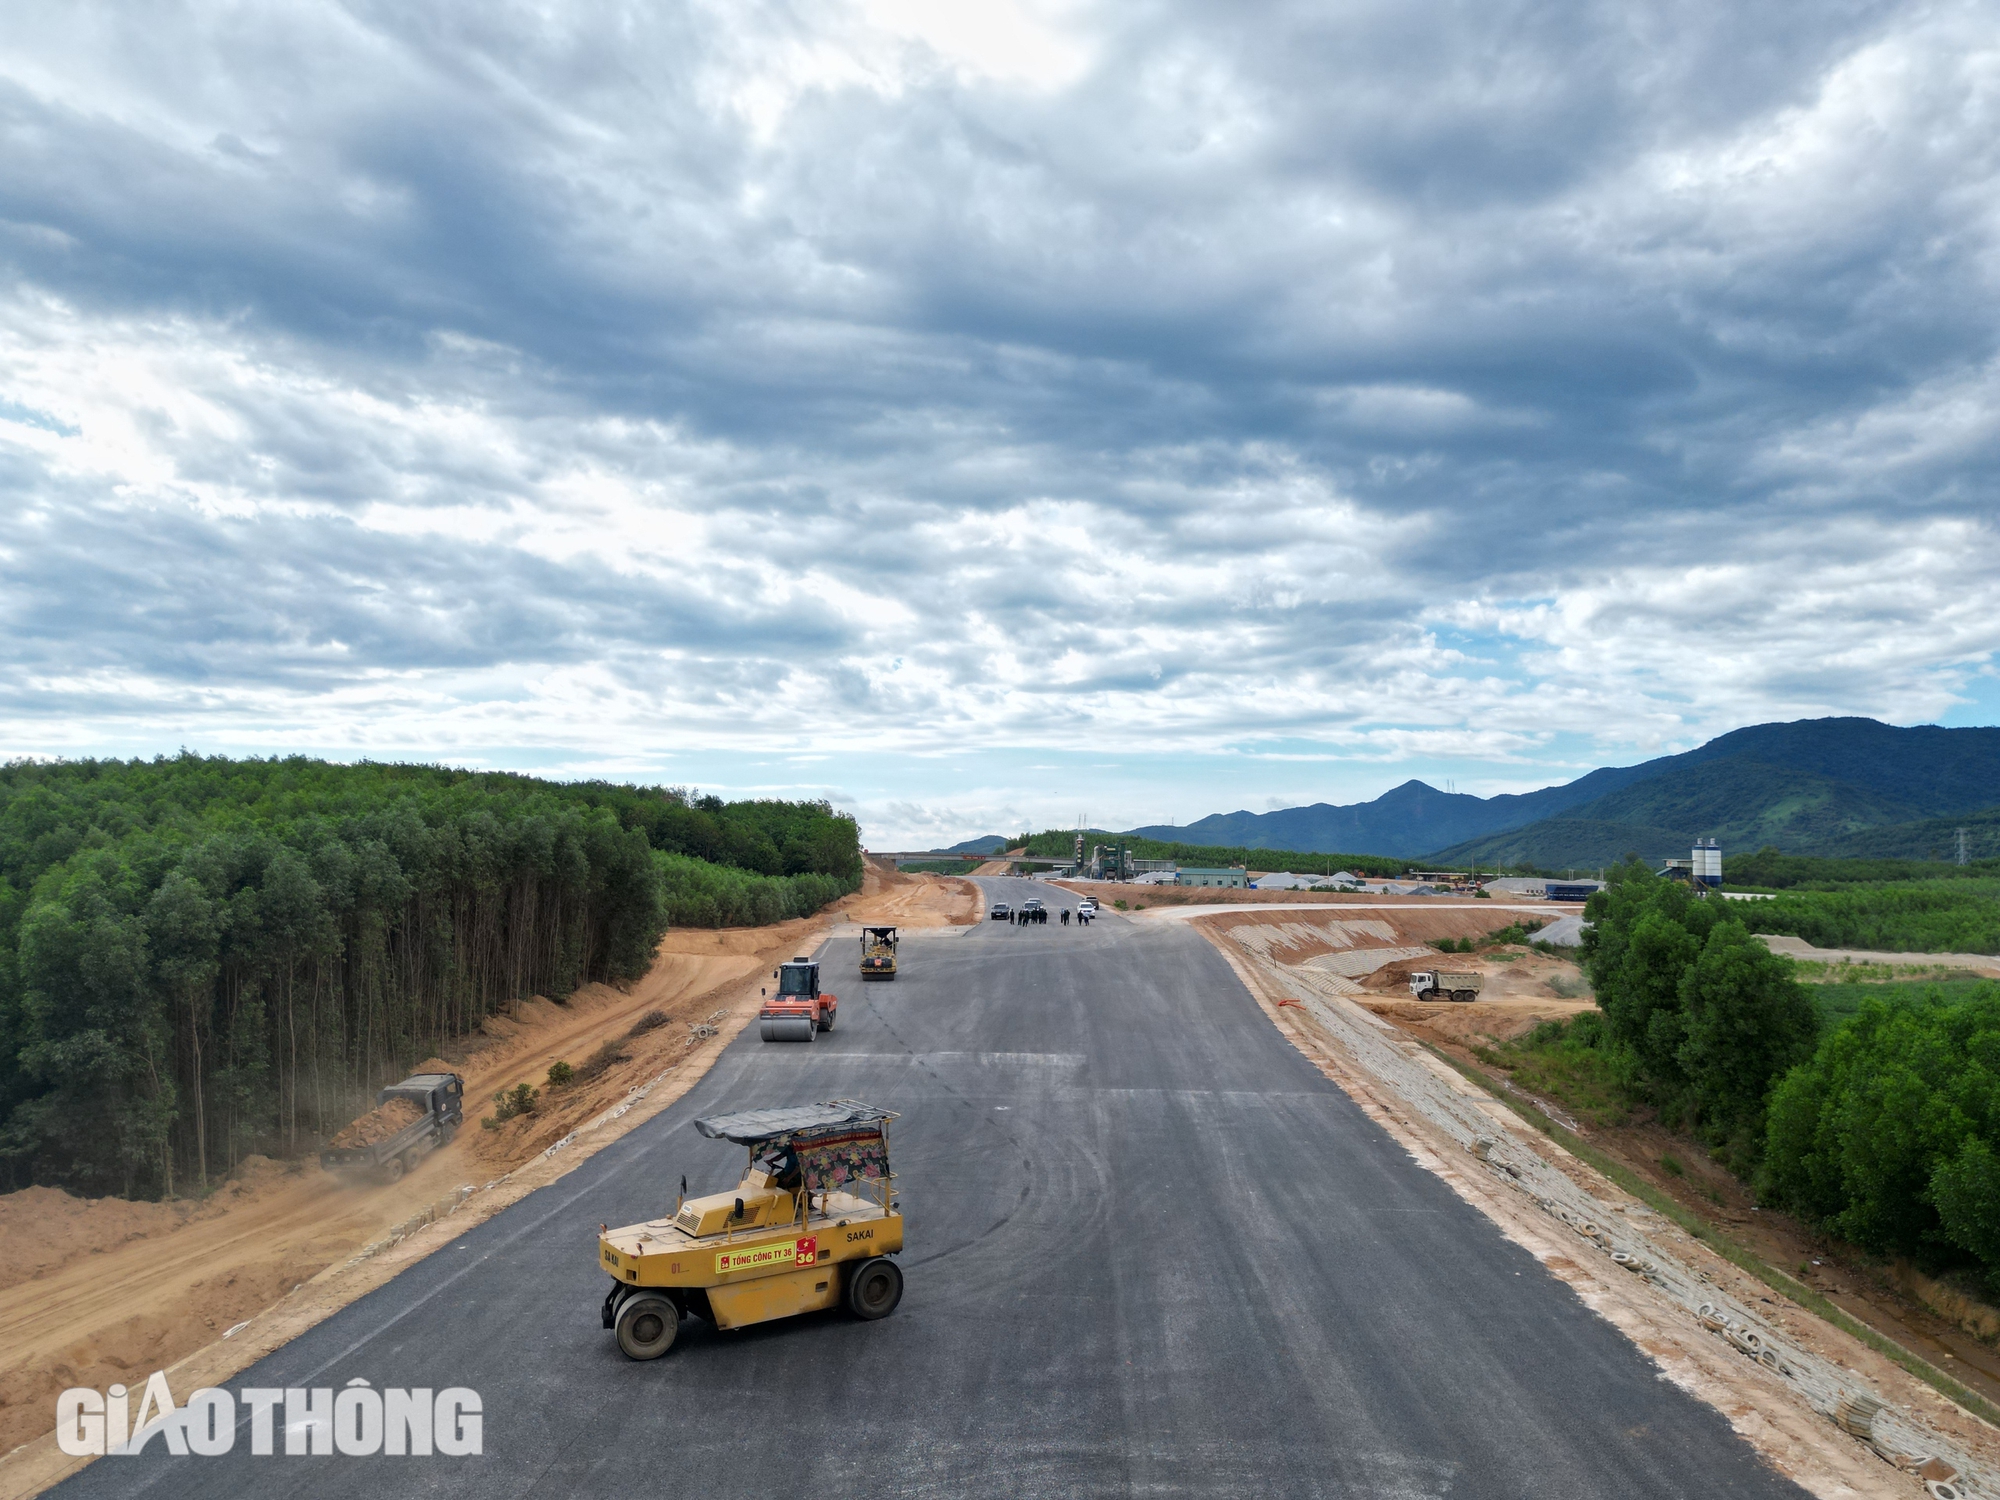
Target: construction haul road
(1152, 1251)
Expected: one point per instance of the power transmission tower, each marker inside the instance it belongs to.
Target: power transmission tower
(1962, 857)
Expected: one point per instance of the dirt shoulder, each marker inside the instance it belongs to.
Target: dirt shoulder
(204, 1289)
(1636, 1266)
(1984, 964)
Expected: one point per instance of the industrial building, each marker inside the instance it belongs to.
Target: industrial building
(1571, 890)
(1236, 878)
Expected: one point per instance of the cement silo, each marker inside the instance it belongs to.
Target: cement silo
(1706, 865)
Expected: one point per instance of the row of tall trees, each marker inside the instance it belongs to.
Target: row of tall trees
(202, 958)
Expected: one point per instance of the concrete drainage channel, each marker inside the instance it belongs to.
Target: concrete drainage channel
(1945, 1472)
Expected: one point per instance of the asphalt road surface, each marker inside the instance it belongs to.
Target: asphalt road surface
(1151, 1252)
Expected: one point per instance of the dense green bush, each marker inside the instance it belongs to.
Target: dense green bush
(1710, 1015)
(1767, 869)
(699, 894)
(1886, 1136)
(1938, 916)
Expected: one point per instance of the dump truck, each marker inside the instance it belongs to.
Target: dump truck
(796, 1011)
(1445, 984)
(439, 1099)
(878, 953)
(811, 1226)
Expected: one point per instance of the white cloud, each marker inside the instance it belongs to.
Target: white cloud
(888, 378)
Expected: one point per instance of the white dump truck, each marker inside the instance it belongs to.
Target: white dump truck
(1445, 984)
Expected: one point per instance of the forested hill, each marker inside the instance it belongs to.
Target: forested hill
(1816, 786)
(1820, 787)
(201, 958)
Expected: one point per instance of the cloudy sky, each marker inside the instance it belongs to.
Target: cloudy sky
(990, 414)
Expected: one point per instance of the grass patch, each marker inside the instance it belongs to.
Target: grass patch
(598, 1061)
(1573, 1063)
(511, 1103)
(1837, 1001)
(652, 1020)
(1820, 971)
(1671, 1164)
(1737, 1255)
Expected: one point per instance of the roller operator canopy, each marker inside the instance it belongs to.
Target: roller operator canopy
(754, 1127)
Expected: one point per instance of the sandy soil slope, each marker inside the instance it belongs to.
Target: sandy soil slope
(93, 1292)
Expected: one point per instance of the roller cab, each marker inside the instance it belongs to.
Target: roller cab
(810, 1226)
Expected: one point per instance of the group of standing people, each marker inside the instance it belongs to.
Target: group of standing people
(1040, 916)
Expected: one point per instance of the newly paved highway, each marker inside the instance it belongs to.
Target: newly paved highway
(1152, 1252)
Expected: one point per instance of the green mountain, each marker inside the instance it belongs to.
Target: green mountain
(1835, 787)
(1802, 786)
(1927, 838)
(1583, 845)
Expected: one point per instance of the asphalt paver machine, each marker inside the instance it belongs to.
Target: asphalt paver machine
(812, 1225)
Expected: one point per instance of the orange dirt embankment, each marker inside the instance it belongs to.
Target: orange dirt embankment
(381, 1122)
(889, 895)
(99, 1291)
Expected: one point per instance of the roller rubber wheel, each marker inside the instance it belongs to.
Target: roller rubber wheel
(827, 1024)
(647, 1324)
(394, 1168)
(874, 1289)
